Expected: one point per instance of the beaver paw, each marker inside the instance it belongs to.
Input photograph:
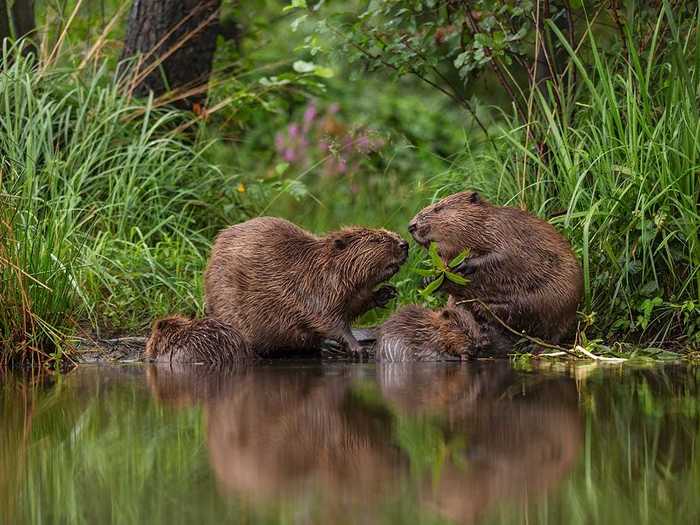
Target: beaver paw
(465, 268)
(384, 294)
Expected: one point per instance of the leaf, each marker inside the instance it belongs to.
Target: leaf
(295, 24)
(301, 66)
(456, 278)
(426, 273)
(281, 168)
(459, 259)
(324, 72)
(301, 4)
(428, 290)
(437, 261)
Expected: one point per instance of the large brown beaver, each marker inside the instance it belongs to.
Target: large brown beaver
(519, 266)
(178, 339)
(283, 287)
(415, 333)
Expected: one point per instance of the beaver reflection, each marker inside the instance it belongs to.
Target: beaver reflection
(278, 434)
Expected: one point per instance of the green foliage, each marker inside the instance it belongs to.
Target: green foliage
(106, 212)
(108, 209)
(436, 269)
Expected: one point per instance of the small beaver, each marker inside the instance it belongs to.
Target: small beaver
(178, 339)
(519, 265)
(283, 287)
(415, 333)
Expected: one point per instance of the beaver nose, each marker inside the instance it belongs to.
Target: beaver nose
(412, 227)
(404, 247)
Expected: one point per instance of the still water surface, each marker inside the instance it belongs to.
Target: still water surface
(331, 443)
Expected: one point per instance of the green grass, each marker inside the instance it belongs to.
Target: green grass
(622, 170)
(105, 210)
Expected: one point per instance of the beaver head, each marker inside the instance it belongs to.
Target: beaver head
(453, 223)
(459, 332)
(164, 328)
(365, 256)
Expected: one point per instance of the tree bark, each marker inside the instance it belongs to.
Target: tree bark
(17, 22)
(171, 46)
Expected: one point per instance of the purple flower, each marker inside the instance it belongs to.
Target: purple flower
(342, 165)
(293, 130)
(289, 155)
(279, 142)
(309, 116)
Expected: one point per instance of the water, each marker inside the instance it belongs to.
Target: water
(352, 443)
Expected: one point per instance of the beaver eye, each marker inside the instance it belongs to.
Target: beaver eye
(438, 209)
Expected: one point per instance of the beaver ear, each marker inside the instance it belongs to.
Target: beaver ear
(474, 197)
(445, 314)
(339, 243)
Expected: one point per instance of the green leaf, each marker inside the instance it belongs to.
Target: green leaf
(301, 66)
(456, 278)
(428, 290)
(426, 273)
(437, 261)
(294, 4)
(459, 259)
(295, 24)
(281, 168)
(324, 72)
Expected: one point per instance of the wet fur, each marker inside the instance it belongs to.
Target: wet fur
(415, 333)
(285, 288)
(520, 265)
(180, 340)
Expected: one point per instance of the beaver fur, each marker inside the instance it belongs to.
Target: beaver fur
(415, 333)
(520, 266)
(285, 288)
(178, 339)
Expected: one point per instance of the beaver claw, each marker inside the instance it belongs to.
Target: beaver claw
(384, 294)
(464, 268)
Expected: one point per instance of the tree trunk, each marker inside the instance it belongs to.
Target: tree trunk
(171, 44)
(17, 22)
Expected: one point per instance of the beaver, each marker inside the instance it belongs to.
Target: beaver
(181, 340)
(284, 287)
(415, 333)
(520, 266)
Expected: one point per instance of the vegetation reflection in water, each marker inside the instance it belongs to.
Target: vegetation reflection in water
(339, 443)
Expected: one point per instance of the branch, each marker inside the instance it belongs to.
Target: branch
(512, 330)
(415, 72)
(497, 70)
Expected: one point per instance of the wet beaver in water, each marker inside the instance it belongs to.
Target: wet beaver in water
(415, 333)
(519, 265)
(283, 287)
(178, 339)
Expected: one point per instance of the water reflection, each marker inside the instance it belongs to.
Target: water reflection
(349, 443)
(467, 437)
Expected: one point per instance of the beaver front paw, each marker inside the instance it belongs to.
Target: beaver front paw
(383, 295)
(466, 267)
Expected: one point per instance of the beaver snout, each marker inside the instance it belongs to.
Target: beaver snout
(419, 234)
(403, 245)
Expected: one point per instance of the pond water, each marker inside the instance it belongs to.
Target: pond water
(317, 442)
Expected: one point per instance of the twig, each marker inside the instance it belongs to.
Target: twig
(585, 352)
(535, 340)
(497, 70)
(415, 72)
